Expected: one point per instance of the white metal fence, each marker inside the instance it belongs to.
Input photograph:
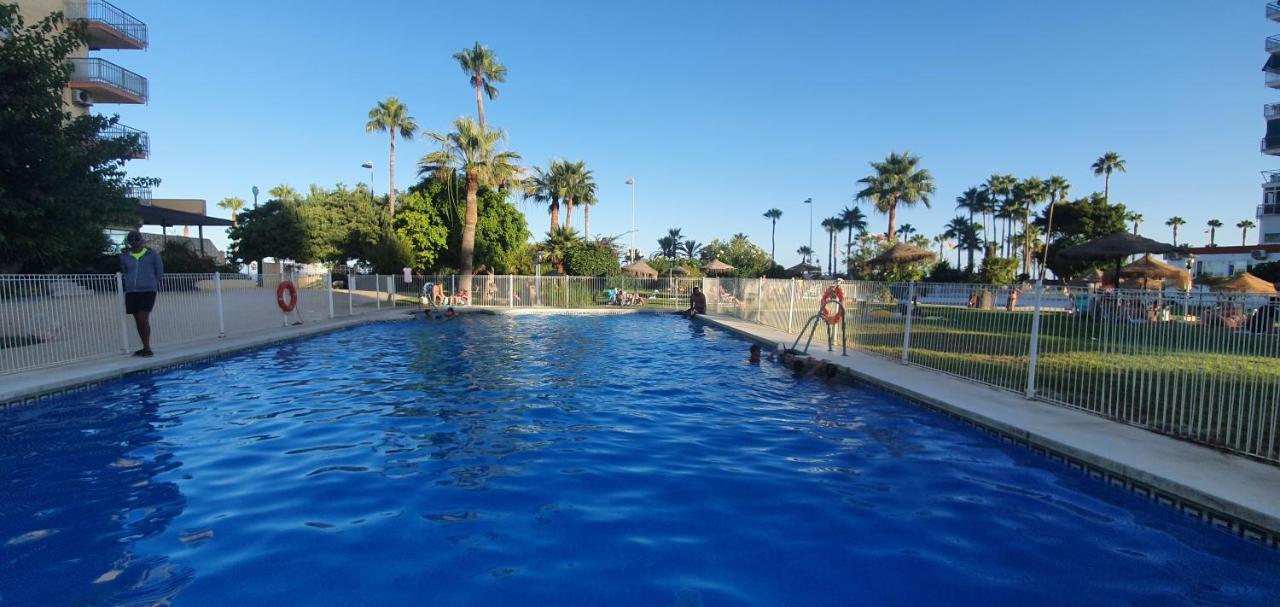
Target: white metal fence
(1198, 366)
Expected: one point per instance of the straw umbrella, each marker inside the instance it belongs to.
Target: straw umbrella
(800, 268)
(1150, 268)
(1117, 246)
(717, 268)
(640, 269)
(900, 253)
(1248, 283)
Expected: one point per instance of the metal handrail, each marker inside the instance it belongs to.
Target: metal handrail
(96, 69)
(1270, 143)
(142, 193)
(1271, 110)
(118, 131)
(110, 15)
(1273, 44)
(1273, 10)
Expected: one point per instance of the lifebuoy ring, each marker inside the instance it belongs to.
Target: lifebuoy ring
(833, 293)
(286, 287)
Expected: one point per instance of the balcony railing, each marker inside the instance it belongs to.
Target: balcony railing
(118, 131)
(1273, 11)
(1268, 209)
(1271, 145)
(1273, 44)
(1270, 177)
(141, 193)
(1271, 110)
(108, 82)
(109, 27)
(1272, 79)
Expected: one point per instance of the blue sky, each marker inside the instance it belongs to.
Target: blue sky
(721, 110)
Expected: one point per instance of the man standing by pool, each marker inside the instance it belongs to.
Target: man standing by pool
(142, 271)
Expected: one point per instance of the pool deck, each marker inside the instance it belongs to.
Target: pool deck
(19, 387)
(1223, 489)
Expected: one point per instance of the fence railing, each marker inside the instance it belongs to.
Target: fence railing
(1199, 366)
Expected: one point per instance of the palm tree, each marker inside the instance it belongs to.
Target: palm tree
(1057, 187)
(773, 215)
(690, 248)
(971, 200)
(232, 204)
(669, 245)
(833, 226)
(576, 183)
(587, 201)
(1136, 218)
(905, 231)
(970, 240)
(956, 229)
(1105, 165)
(854, 219)
(557, 245)
(805, 253)
(547, 187)
(1000, 188)
(1033, 192)
(941, 240)
(482, 68)
(1245, 226)
(391, 116)
(898, 180)
(1174, 222)
(1213, 224)
(473, 150)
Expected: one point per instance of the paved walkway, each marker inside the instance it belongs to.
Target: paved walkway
(1239, 488)
(20, 386)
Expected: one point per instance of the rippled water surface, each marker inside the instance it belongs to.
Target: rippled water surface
(561, 461)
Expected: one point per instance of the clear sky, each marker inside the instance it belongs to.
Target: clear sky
(721, 110)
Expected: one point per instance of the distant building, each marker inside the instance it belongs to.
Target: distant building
(1269, 211)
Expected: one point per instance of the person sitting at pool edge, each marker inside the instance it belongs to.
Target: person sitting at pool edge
(698, 303)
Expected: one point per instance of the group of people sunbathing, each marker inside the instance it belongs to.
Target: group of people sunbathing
(621, 297)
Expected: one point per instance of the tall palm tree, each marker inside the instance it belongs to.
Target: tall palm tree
(690, 248)
(956, 229)
(1174, 222)
(545, 187)
(898, 180)
(971, 200)
(833, 226)
(557, 245)
(854, 219)
(1136, 218)
(232, 204)
(999, 188)
(773, 215)
(1057, 187)
(805, 253)
(472, 150)
(906, 231)
(587, 200)
(482, 68)
(1245, 226)
(669, 245)
(1213, 224)
(1033, 192)
(391, 116)
(941, 240)
(577, 182)
(1106, 164)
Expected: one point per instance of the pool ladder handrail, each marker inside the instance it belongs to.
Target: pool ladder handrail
(811, 326)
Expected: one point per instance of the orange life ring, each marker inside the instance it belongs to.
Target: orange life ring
(833, 293)
(287, 287)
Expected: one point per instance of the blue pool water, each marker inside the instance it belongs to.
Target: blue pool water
(562, 461)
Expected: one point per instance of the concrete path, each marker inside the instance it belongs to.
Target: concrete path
(1230, 485)
(20, 386)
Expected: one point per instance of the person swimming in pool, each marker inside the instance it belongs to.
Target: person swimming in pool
(755, 354)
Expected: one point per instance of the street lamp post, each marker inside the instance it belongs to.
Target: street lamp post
(631, 181)
(368, 164)
(537, 269)
(809, 201)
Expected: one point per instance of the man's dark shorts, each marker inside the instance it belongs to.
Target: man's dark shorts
(139, 302)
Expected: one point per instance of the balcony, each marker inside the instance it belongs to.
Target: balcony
(118, 131)
(1273, 11)
(1272, 78)
(108, 26)
(1271, 111)
(1273, 44)
(1271, 146)
(140, 193)
(107, 82)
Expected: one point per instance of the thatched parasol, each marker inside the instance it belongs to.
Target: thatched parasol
(716, 267)
(1116, 246)
(640, 269)
(899, 254)
(681, 270)
(1150, 268)
(801, 268)
(1248, 283)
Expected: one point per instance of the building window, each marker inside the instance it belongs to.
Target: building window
(1271, 238)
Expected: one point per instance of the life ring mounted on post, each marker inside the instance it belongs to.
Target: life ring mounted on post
(286, 304)
(833, 294)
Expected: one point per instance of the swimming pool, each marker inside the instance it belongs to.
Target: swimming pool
(634, 460)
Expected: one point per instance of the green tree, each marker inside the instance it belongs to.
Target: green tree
(1136, 218)
(1031, 192)
(390, 253)
(435, 211)
(747, 259)
(898, 180)
(854, 220)
(998, 270)
(559, 242)
(1106, 164)
(588, 258)
(1174, 222)
(669, 245)
(232, 204)
(773, 215)
(1245, 226)
(547, 187)
(275, 229)
(1077, 222)
(391, 116)
(1214, 224)
(61, 181)
(832, 227)
(955, 229)
(577, 183)
(482, 68)
(690, 248)
(473, 150)
(343, 224)
(420, 224)
(1000, 189)
(804, 252)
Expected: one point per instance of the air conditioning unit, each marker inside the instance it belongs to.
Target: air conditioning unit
(1259, 254)
(82, 98)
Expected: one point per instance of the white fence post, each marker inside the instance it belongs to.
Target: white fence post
(791, 307)
(124, 326)
(511, 291)
(391, 289)
(1034, 350)
(351, 285)
(453, 287)
(328, 284)
(217, 289)
(377, 290)
(760, 300)
(906, 330)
